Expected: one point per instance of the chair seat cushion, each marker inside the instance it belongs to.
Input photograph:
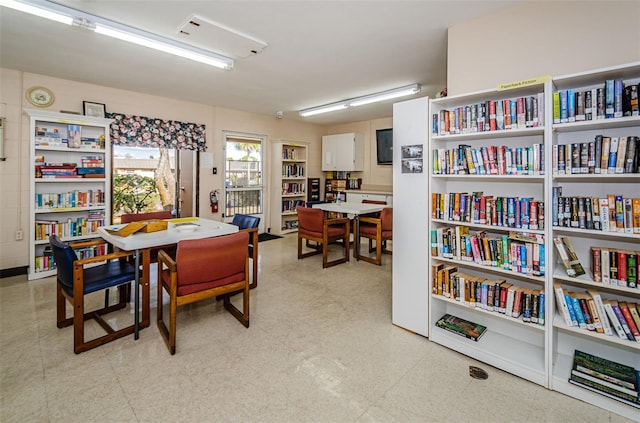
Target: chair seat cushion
(367, 229)
(113, 273)
(332, 231)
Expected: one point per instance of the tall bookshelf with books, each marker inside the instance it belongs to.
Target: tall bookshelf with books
(289, 185)
(594, 190)
(70, 192)
(487, 226)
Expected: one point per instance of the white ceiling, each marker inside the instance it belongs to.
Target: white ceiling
(318, 52)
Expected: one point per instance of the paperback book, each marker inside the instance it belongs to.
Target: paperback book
(461, 327)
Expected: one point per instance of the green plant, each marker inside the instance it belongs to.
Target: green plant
(133, 194)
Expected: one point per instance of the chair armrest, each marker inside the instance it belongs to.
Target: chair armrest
(110, 256)
(164, 258)
(84, 244)
(373, 220)
(253, 234)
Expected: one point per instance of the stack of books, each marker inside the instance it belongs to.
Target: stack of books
(461, 327)
(606, 377)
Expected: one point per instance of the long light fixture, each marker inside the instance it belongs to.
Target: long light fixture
(365, 99)
(69, 16)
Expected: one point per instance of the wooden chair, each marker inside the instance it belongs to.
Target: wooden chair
(74, 281)
(313, 226)
(250, 224)
(378, 230)
(203, 268)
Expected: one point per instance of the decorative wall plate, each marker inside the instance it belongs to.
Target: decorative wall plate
(40, 96)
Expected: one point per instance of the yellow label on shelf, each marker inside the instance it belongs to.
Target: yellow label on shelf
(524, 83)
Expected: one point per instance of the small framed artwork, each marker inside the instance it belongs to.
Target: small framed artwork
(412, 160)
(94, 109)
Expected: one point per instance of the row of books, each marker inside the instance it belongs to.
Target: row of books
(490, 160)
(292, 205)
(614, 380)
(613, 266)
(292, 170)
(615, 213)
(605, 155)
(591, 312)
(512, 113)
(497, 296)
(290, 154)
(293, 188)
(72, 227)
(56, 170)
(71, 199)
(46, 261)
(476, 208)
(516, 252)
(611, 100)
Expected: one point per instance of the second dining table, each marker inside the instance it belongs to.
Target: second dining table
(141, 242)
(354, 211)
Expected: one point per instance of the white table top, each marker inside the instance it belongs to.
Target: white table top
(350, 208)
(205, 229)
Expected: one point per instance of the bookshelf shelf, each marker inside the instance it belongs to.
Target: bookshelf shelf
(473, 136)
(588, 282)
(470, 264)
(51, 160)
(501, 178)
(493, 314)
(596, 234)
(604, 178)
(600, 124)
(488, 227)
(290, 185)
(598, 337)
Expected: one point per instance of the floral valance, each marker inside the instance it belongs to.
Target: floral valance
(140, 131)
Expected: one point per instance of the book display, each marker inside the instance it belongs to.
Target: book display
(594, 186)
(70, 195)
(290, 182)
(533, 228)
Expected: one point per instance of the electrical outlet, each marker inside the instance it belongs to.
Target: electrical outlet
(19, 235)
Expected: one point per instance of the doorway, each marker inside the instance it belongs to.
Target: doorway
(243, 188)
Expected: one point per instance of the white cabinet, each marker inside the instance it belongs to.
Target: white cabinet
(343, 152)
(70, 192)
(359, 197)
(289, 185)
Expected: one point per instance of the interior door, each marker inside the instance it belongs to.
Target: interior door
(185, 182)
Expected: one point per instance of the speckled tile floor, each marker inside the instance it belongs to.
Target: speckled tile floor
(321, 348)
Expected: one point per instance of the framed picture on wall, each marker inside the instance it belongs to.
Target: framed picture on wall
(94, 109)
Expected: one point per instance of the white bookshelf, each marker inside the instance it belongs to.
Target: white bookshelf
(49, 135)
(289, 185)
(565, 340)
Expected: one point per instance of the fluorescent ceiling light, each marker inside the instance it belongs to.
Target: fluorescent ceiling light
(37, 10)
(366, 99)
(69, 16)
(385, 95)
(323, 109)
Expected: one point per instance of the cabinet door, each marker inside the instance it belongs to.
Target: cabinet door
(343, 152)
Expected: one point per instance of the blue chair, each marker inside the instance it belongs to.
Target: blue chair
(74, 281)
(250, 224)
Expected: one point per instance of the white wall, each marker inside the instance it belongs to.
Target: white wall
(541, 38)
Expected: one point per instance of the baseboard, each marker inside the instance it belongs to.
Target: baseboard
(15, 271)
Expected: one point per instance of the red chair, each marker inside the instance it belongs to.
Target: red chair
(378, 230)
(203, 268)
(313, 226)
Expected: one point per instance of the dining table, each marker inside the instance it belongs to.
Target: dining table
(140, 243)
(353, 211)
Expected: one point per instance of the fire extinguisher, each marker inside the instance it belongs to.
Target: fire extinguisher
(213, 199)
